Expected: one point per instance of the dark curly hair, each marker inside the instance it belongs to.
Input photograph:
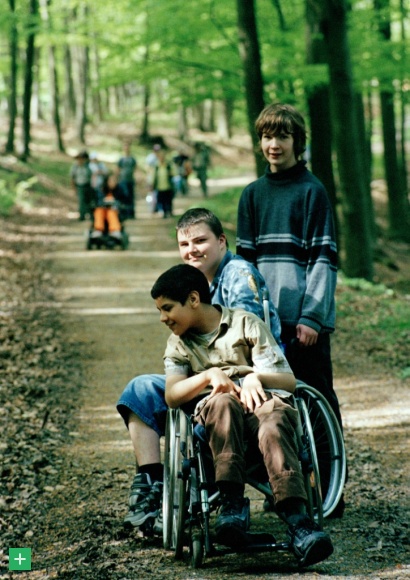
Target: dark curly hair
(179, 281)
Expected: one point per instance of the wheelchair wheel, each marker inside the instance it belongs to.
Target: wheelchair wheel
(329, 443)
(310, 465)
(196, 547)
(180, 486)
(169, 479)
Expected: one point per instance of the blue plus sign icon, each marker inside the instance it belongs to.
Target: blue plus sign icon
(19, 559)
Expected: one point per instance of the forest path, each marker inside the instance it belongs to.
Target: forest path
(109, 317)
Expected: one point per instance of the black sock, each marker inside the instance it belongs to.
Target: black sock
(154, 470)
(231, 488)
(292, 510)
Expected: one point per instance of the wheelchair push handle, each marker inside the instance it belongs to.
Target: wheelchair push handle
(265, 303)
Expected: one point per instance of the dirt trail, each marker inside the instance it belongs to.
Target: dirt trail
(110, 320)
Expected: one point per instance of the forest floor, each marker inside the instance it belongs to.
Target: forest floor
(75, 327)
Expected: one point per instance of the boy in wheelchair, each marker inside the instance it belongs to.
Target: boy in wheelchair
(106, 216)
(210, 350)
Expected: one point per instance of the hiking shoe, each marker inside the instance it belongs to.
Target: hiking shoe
(144, 501)
(158, 527)
(309, 543)
(233, 521)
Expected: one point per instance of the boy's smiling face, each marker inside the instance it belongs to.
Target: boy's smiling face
(179, 318)
(199, 247)
(278, 150)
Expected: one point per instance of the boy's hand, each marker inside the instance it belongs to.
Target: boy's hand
(306, 335)
(252, 394)
(221, 383)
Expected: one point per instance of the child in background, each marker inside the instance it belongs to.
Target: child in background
(107, 209)
(80, 174)
(126, 166)
(163, 183)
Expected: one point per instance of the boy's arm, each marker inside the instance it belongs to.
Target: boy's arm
(245, 235)
(180, 389)
(271, 370)
(321, 274)
(241, 286)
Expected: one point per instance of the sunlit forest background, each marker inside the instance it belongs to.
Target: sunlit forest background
(211, 66)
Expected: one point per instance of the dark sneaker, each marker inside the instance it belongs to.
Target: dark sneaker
(159, 523)
(233, 521)
(144, 501)
(309, 543)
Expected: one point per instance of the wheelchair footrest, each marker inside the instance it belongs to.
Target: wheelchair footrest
(256, 542)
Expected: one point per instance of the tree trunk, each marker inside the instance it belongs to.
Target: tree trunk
(321, 147)
(207, 121)
(12, 97)
(358, 260)
(182, 123)
(251, 62)
(145, 115)
(403, 99)
(28, 79)
(97, 102)
(399, 222)
(399, 211)
(320, 116)
(81, 91)
(54, 86)
(55, 98)
(36, 112)
(225, 111)
(69, 94)
(366, 148)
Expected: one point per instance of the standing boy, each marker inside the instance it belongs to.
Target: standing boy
(163, 184)
(80, 175)
(285, 227)
(212, 349)
(127, 164)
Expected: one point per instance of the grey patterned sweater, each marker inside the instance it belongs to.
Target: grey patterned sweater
(285, 227)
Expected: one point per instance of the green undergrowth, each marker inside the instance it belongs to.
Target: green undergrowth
(23, 185)
(15, 191)
(380, 316)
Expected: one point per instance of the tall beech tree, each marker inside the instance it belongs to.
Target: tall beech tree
(53, 77)
(398, 204)
(357, 237)
(32, 23)
(251, 62)
(318, 99)
(12, 96)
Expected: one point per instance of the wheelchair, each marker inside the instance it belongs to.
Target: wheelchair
(190, 496)
(105, 240)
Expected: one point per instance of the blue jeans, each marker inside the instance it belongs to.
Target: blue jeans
(145, 396)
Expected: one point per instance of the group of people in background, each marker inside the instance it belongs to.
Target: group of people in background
(97, 187)
(106, 197)
(168, 177)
